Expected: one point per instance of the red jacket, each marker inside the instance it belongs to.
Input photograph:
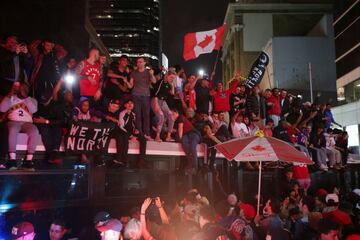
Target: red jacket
(276, 108)
(221, 99)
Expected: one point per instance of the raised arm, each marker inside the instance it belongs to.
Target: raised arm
(181, 130)
(234, 117)
(233, 86)
(152, 77)
(33, 48)
(145, 233)
(163, 215)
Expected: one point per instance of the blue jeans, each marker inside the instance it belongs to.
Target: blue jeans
(190, 141)
(142, 113)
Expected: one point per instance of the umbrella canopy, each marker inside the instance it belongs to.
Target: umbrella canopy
(251, 149)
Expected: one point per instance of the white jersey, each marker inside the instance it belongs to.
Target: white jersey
(18, 109)
(239, 130)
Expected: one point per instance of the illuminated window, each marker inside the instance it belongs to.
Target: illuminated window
(354, 135)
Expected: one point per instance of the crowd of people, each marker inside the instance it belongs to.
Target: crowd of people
(44, 89)
(296, 215)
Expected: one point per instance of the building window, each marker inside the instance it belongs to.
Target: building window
(340, 94)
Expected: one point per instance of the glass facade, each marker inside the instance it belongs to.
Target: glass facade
(347, 42)
(130, 27)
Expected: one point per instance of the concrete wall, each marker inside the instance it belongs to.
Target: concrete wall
(291, 57)
(258, 29)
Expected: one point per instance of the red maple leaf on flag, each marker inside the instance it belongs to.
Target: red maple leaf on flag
(208, 39)
(258, 148)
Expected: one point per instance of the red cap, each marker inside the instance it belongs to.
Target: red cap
(249, 210)
(321, 193)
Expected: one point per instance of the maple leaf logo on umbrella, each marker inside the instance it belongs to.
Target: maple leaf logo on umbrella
(258, 148)
(207, 40)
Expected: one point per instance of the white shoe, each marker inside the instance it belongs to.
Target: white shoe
(323, 168)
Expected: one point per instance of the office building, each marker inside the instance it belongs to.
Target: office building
(130, 27)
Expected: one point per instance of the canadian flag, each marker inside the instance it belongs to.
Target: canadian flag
(202, 42)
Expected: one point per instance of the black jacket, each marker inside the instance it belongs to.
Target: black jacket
(202, 99)
(256, 106)
(7, 66)
(285, 106)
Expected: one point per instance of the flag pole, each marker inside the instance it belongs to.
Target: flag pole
(217, 59)
(215, 65)
(259, 189)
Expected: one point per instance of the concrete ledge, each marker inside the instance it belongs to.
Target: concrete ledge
(152, 148)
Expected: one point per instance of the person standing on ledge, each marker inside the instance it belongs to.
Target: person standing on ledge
(141, 80)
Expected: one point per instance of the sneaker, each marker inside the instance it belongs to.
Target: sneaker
(323, 168)
(148, 138)
(11, 165)
(54, 158)
(118, 163)
(55, 161)
(99, 161)
(27, 166)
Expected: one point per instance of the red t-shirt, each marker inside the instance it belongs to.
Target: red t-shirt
(86, 88)
(338, 216)
(276, 108)
(222, 99)
(187, 125)
(301, 171)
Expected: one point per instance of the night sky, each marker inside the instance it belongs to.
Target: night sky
(64, 20)
(31, 19)
(180, 17)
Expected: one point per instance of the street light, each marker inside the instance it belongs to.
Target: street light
(69, 79)
(201, 72)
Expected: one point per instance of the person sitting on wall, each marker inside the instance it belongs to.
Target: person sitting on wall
(20, 109)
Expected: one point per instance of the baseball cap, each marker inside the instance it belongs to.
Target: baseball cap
(102, 217)
(321, 193)
(333, 197)
(113, 224)
(83, 99)
(115, 101)
(248, 209)
(357, 191)
(307, 103)
(21, 229)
